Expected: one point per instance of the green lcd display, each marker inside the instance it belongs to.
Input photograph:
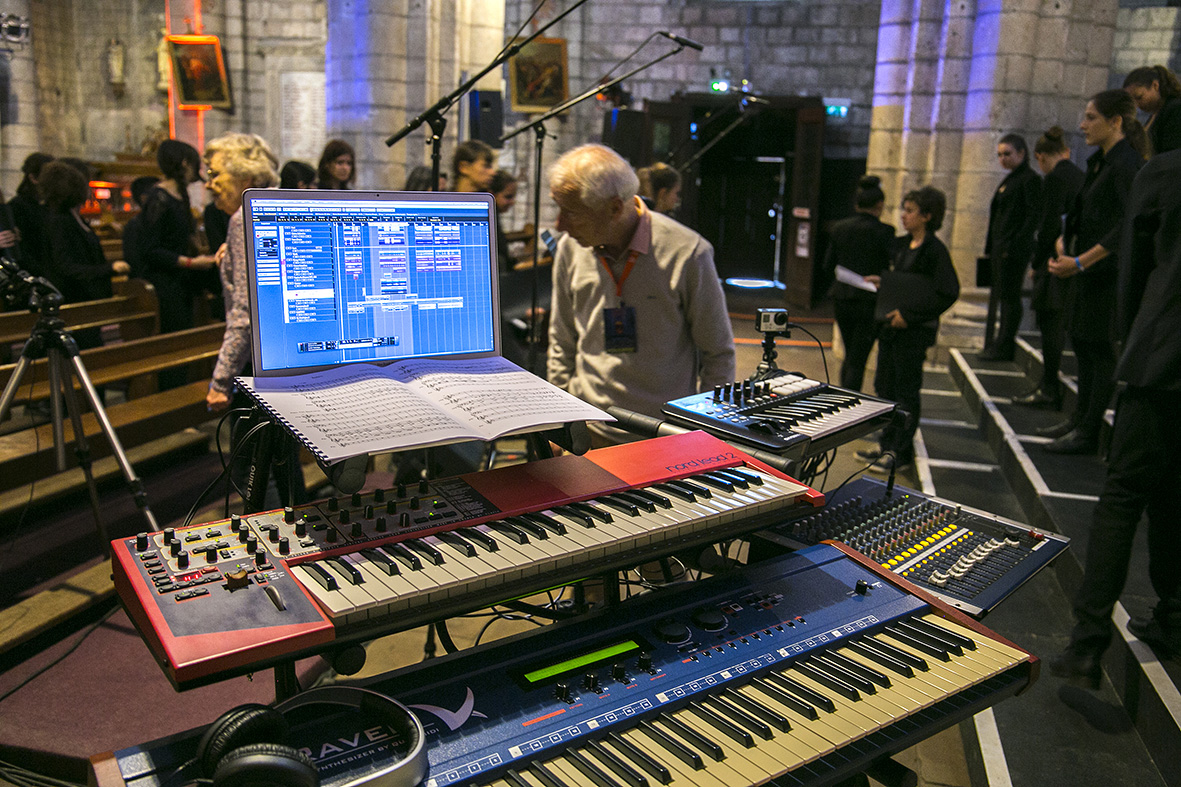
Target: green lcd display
(578, 662)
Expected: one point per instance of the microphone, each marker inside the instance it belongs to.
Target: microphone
(347, 475)
(689, 42)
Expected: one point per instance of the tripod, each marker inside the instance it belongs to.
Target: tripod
(51, 340)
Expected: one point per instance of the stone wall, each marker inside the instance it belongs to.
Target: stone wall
(1145, 37)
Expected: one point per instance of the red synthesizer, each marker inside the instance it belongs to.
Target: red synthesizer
(237, 595)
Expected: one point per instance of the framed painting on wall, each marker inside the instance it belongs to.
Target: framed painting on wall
(537, 76)
(199, 72)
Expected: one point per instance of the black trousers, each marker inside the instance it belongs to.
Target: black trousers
(859, 331)
(1096, 382)
(1052, 324)
(900, 379)
(1142, 476)
(1005, 297)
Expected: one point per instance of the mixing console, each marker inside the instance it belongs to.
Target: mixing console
(970, 558)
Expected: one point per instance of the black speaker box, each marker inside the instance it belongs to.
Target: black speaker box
(486, 116)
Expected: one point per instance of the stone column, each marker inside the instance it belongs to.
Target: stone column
(20, 134)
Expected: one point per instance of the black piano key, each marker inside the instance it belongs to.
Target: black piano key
(641, 758)
(800, 690)
(515, 779)
(723, 725)
(739, 716)
(639, 500)
(326, 580)
(726, 475)
(896, 653)
(458, 543)
(591, 511)
(858, 668)
(546, 776)
(772, 717)
(751, 478)
(715, 482)
(880, 658)
(655, 499)
(936, 630)
(482, 539)
(619, 504)
(382, 562)
(694, 738)
(918, 644)
(828, 680)
(932, 639)
(346, 570)
(404, 556)
(620, 768)
(784, 698)
(689, 486)
(676, 491)
(510, 532)
(548, 522)
(431, 554)
(574, 516)
(532, 528)
(672, 745)
(589, 769)
(862, 684)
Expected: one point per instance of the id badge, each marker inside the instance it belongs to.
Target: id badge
(619, 326)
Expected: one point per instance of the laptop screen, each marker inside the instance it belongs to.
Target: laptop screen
(339, 277)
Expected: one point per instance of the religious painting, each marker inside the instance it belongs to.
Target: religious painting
(537, 76)
(199, 72)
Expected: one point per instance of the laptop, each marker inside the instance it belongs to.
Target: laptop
(343, 277)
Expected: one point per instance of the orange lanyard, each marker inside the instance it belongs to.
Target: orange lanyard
(627, 269)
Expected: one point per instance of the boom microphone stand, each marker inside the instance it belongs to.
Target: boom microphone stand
(51, 340)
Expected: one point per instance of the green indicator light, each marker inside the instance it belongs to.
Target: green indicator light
(580, 661)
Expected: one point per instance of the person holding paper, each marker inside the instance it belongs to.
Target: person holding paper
(861, 245)
(920, 286)
(638, 315)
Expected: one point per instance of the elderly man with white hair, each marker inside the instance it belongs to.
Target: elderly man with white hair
(638, 315)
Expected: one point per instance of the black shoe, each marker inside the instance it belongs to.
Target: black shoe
(1154, 634)
(868, 454)
(1073, 442)
(886, 464)
(1057, 430)
(1083, 667)
(1000, 353)
(1039, 397)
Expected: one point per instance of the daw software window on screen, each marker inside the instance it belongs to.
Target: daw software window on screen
(343, 281)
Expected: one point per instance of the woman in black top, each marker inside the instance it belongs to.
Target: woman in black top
(1088, 255)
(74, 262)
(861, 243)
(338, 166)
(1062, 182)
(1012, 222)
(28, 213)
(1156, 90)
(907, 331)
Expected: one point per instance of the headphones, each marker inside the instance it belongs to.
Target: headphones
(249, 744)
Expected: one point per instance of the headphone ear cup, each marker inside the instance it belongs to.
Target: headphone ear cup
(266, 764)
(244, 725)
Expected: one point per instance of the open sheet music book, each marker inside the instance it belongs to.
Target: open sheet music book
(361, 408)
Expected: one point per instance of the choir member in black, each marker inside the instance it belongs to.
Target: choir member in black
(472, 166)
(909, 330)
(75, 262)
(1088, 255)
(338, 166)
(1156, 90)
(1012, 224)
(660, 188)
(419, 179)
(297, 175)
(1062, 182)
(861, 243)
(504, 190)
(28, 213)
(1143, 473)
(139, 193)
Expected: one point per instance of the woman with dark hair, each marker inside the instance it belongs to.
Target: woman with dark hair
(472, 166)
(297, 175)
(504, 191)
(1062, 182)
(28, 214)
(166, 248)
(660, 187)
(1012, 223)
(338, 166)
(419, 179)
(860, 243)
(1088, 255)
(75, 262)
(1156, 90)
(907, 332)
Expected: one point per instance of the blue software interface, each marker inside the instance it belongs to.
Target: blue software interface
(353, 280)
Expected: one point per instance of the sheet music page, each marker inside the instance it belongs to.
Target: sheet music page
(847, 276)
